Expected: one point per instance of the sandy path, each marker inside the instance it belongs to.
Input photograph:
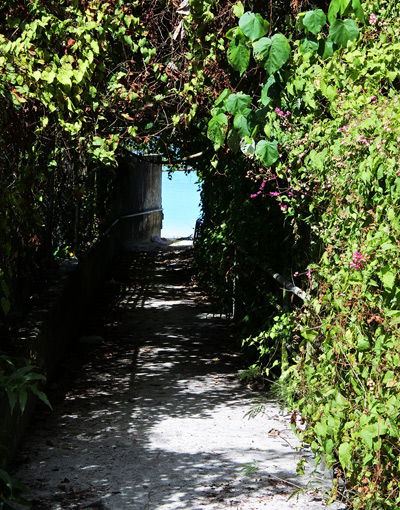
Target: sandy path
(152, 416)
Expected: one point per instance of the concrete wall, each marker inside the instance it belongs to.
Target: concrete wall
(138, 190)
(54, 322)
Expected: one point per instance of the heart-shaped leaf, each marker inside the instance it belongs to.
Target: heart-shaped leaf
(240, 124)
(238, 55)
(217, 128)
(273, 52)
(238, 103)
(253, 25)
(267, 152)
(314, 21)
(343, 31)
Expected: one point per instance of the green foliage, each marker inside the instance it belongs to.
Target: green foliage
(267, 152)
(253, 25)
(239, 52)
(273, 53)
(343, 31)
(333, 110)
(314, 21)
(304, 179)
(11, 492)
(17, 379)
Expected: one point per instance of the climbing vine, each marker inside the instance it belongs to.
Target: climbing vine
(298, 121)
(320, 134)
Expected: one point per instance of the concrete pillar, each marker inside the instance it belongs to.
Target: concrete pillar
(138, 198)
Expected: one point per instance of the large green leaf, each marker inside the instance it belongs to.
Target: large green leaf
(265, 99)
(388, 277)
(238, 103)
(358, 10)
(314, 21)
(253, 25)
(240, 124)
(273, 53)
(267, 152)
(343, 31)
(239, 55)
(334, 8)
(345, 454)
(337, 7)
(217, 128)
(262, 48)
(224, 94)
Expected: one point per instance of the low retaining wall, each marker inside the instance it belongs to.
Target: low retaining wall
(54, 322)
(53, 326)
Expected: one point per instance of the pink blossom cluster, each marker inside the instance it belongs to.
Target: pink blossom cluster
(281, 114)
(363, 140)
(372, 19)
(359, 260)
(379, 147)
(260, 191)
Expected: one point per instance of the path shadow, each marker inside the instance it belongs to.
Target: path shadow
(153, 416)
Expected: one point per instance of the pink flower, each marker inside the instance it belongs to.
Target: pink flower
(372, 19)
(359, 260)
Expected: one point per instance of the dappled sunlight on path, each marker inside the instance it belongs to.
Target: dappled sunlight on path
(153, 415)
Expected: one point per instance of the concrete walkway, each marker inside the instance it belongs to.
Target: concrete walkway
(149, 413)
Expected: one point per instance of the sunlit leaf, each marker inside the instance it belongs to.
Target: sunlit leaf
(273, 53)
(217, 128)
(314, 21)
(345, 454)
(239, 55)
(343, 31)
(253, 25)
(267, 152)
(237, 103)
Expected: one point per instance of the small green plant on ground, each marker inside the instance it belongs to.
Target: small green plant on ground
(17, 379)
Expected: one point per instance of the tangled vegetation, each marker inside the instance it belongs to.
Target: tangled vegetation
(297, 115)
(324, 125)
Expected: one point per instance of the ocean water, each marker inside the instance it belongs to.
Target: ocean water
(181, 204)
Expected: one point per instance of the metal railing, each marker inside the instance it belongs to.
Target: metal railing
(133, 215)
